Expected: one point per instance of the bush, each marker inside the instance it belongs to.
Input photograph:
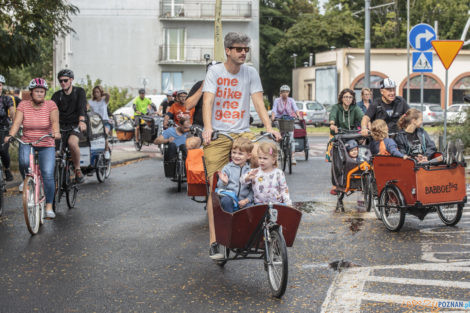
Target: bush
(461, 131)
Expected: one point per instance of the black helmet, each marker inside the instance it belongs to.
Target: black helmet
(142, 90)
(65, 72)
(212, 63)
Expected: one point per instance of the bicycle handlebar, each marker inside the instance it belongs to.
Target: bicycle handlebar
(216, 133)
(30, 143)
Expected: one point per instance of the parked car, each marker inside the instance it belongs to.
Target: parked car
(129, 110)
(457, 113)
(314, 112)
(433, 114)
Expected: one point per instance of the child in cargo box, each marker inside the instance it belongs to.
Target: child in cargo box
(234, 194)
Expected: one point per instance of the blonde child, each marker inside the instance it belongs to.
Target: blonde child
(235, 194)
(382, 145)
(268, 182)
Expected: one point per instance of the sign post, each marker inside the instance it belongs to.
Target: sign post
(420, 39)
(447, 50)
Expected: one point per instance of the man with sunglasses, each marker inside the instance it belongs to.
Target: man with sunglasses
(227, 90)
(71, 101)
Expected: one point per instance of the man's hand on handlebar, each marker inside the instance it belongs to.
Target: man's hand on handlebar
(82, 126)
(364, 132)
(275, 133)
(207, 135)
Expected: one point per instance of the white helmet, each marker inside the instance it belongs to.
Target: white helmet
(387, 83)
(284, 88)
(2, 79)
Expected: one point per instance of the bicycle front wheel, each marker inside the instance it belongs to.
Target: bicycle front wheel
(58, 179)
(71, 189)
(277, 263)
(289, 157)
(30, 207)
(101, 168)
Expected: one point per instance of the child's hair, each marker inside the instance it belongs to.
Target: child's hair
(410, 115)
(243, 144)
(269, 147)
(193, 143)
(379, 130)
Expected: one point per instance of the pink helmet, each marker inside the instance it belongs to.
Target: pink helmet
(38, 83)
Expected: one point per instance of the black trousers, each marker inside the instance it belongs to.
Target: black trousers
(4, 153)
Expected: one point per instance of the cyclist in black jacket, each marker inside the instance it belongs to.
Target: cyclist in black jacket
(71, 101)
(389, 107)
(7, 113)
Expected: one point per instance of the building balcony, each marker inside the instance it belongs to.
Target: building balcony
(187, 10)
(187, 55)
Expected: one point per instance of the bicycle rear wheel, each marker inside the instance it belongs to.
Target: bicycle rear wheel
(101, 168)
(289, 157)
(30, 207)
(71, 188)
(277, 263)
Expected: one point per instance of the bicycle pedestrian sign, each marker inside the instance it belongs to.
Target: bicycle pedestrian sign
(421, 36)
(422, 62)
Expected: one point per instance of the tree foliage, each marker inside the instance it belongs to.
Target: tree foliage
(24, 24)
(289, 26)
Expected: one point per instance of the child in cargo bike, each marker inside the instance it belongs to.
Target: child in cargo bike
(382, 144)
(233, 193)
(268, 182)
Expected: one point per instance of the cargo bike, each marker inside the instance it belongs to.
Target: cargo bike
(261, 232)
(150, 128)
(406, 186)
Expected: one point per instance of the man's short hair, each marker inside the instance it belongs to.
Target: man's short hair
(233, 38)
(243, 144)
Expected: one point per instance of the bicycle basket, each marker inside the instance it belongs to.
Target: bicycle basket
(286, 125)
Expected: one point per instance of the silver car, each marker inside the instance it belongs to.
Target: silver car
(314, 112)
(457, 113)
(433, 114)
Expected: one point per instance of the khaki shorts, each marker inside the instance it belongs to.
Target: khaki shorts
(217, 153)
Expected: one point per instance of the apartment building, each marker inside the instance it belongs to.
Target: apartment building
(160, 45)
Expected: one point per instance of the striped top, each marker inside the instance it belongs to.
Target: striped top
(37, 122)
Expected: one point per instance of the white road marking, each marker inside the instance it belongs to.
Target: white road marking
(399, 299)
(421, 282)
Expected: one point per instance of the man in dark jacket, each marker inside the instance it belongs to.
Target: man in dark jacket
(7, 112)
(389, 107)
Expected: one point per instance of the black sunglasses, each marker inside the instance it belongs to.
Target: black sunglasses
(63, 80)
(240, 49)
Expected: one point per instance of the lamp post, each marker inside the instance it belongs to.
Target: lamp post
(294, 55)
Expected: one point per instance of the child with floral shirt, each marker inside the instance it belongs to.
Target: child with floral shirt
(268, 182)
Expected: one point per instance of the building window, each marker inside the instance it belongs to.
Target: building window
(309, 91)
(172, 81)
(172, 8)
(374, 87)
(174, 44)
(461, 88)
(431, 89)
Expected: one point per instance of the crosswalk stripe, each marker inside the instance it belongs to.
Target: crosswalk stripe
(422, 282)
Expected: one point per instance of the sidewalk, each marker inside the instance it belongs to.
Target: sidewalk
(121, 153)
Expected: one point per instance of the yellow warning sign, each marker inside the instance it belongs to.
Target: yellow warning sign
(447, 50)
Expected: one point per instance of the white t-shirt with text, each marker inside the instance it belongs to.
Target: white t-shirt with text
(231, 108)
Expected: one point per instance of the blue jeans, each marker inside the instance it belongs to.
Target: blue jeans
(46, 165)
(227, 204)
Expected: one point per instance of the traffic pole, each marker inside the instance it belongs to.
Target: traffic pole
(445, 109)
(422, 92)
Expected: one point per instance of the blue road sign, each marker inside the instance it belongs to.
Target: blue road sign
(422, 62)
(421, 36)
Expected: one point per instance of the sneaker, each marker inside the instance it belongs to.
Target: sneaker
(107, 155)
(214, 252)
(49, 215)
(8, 176)
(20, 188)
(294, 161)
(79, 176)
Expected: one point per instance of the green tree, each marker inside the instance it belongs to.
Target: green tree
(276, 17)
(23, 25)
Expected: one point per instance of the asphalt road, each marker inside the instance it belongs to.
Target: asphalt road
(134, 244)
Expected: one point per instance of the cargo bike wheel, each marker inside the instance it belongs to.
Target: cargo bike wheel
(276, 262)
(392, 208)
(450, 214)
(101, 168)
